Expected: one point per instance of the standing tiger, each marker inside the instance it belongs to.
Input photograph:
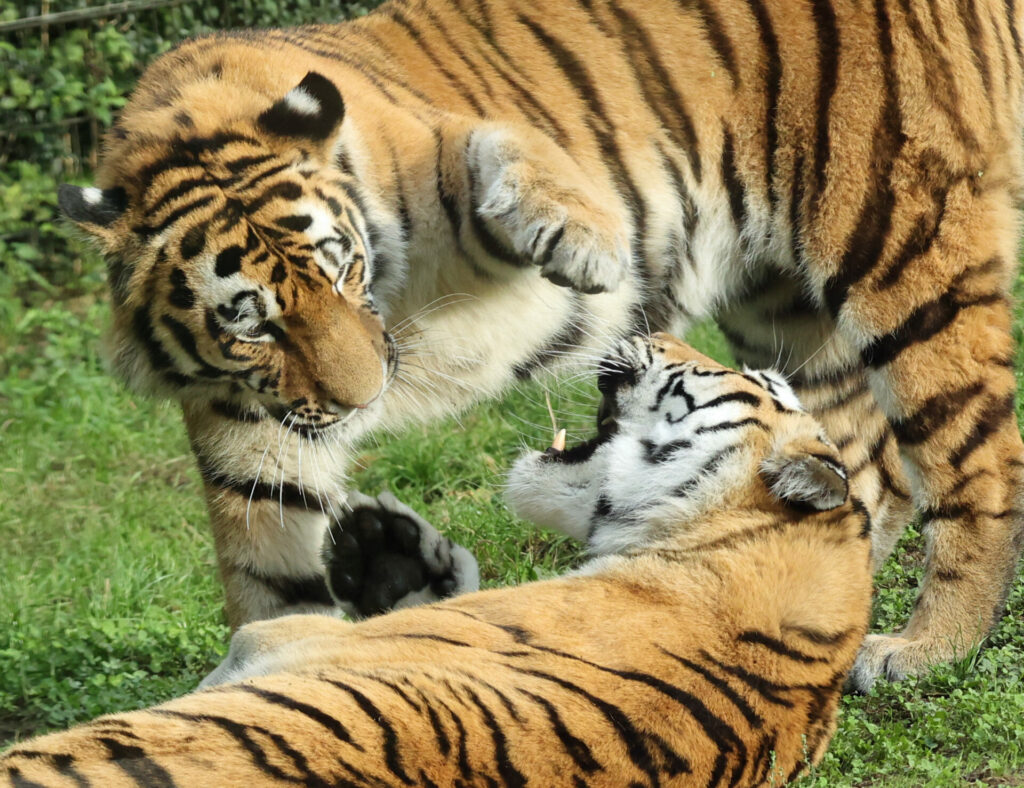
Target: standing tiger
(705, 643)
(509, 182)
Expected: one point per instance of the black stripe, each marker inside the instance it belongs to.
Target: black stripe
(63, 763)
(715, 728)
(768, 690)
(1011, 16)
(243, 734)
(492, 245)
(706, 470)
(287, 493)
(979, 53)
(174, 215)
(991, 418)
(155, 205)
(796, 200)
(940, 79)
(598, 122)
(918, 243)
(461, 88)
(257, 179)
(392, 758)
(293, 590)
(510, 775)
(731, 180)
(936, 411)
(657, 453)
(859, 508)
(732, 425)
(827, 36)
(285, 190)
(243, 163)
(339, 731)
(866, 243)
(752, 717)
(422, 636)
(21, 782)
(618, 721)
(464, 767)
(745, 397)
(143, 329)
(924, 322)
(819, 637)
(443, 742)
(134, 762)
(775, 645)
(773, 87)
(183, 335)
(658, 88)
(575, 747)
(716, 36)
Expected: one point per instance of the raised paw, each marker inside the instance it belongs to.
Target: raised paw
(549, 214)
(381, 556)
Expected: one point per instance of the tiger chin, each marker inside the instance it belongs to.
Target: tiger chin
(705, 642)
(314, 232)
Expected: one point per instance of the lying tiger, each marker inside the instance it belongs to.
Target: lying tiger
(705, 643)
(316, 231)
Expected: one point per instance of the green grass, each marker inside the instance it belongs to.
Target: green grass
(108, 591)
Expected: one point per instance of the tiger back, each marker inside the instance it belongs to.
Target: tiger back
(705, 642)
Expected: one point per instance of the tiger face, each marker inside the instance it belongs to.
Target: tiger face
(240, 263)
(679, 438)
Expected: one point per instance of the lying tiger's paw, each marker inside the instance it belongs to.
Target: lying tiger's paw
(552, 223)
(381, 555)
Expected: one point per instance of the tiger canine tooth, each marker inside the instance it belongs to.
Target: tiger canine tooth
(558, 444)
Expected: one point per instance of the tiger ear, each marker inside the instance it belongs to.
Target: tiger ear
(313, 109)
(93, 210)
(806, 474)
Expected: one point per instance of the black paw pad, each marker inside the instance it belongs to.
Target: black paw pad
(375, 560)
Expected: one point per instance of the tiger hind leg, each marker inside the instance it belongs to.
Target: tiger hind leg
(934, 336)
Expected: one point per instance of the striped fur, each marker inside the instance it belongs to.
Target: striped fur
(705, 643)
(834, 181)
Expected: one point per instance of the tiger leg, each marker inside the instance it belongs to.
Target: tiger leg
(270, 493)
(940, 363)
(291, 539)
(780, 328)
(537, 201)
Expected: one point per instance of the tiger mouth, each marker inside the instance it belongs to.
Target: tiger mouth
(607, 428)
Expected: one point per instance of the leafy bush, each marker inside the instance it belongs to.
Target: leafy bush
(62, 86)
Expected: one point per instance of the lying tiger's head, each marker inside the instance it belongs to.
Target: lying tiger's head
(240, 255)
(679, 437)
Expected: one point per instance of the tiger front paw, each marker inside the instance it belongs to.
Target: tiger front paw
(547, 215)
(381, 556)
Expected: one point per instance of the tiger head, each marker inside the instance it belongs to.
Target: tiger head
(680, 439)
(239, 252)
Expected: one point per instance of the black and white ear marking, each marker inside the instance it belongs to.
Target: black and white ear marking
(806, 480)
(313, 109)
(90, 205)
